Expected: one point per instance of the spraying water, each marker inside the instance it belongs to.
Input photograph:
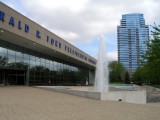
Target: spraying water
(101, 78)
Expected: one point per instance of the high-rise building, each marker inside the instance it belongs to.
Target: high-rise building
(132, 34)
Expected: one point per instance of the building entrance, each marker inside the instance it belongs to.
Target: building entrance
(12, 77)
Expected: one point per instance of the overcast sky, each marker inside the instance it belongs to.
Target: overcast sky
(81, 22)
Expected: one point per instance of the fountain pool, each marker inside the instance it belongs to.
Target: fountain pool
(101, 90)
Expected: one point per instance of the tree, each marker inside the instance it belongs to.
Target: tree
(127, 77)
(138, 76)
(20, 65)
(3, 61)
(39, 68)
(116, 71)
(151, 61)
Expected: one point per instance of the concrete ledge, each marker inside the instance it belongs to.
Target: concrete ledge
(152, 88)
(138, 97)
(86, 94)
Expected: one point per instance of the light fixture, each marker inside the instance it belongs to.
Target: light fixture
(1, 31)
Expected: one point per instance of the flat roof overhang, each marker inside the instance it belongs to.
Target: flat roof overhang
(26, 43)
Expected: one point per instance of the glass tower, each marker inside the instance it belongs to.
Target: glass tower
(132, 34)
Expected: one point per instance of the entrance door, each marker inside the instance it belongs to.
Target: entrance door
(14, 76)
(17, 77)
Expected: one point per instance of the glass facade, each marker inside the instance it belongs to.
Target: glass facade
(131, 35)
(23, 66)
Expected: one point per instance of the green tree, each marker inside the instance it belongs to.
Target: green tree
(116, 71)
(127, 77)
(20, 65)
(151, 61)
(39, 68)
(3, 61)
(138, 76)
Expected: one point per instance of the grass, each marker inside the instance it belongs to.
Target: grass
(118, 83)
(156, 85)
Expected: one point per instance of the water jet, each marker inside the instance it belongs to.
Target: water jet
(101, 77)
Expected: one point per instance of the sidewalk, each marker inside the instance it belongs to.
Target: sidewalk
(27, 103)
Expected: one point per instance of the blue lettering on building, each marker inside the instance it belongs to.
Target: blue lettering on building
(26, 28)
(79, 55)
(19, 25)
(56, 43)
(47, 38)
(38, 34)
(2, 15)
(52, 41)
(11, 21)
(72, 51)
(91, 61)
(59, 45)
(65, 48)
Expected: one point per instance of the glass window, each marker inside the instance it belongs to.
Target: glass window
(43, 60)
(55, 66)
(38, 63)
(32, 57)
(43, 70)
(47, 66)
(11, 59)
(38, 59)
(26, 56)
(27, 61)
(11, 52)
(3, 50)
(19, 59)
(51, 65)
(43, 64)
(19, 54)
(47, 61)
(32, 63)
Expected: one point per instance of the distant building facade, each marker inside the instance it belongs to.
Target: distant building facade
(132, 34)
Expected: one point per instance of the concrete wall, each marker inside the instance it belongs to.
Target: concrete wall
(138, 97)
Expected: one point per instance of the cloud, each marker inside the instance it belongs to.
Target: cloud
(84, 20)
(112, 56)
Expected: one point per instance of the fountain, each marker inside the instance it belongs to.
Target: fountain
(101, 90)
(101, 77)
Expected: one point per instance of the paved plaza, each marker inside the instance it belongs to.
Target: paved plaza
(28, 103)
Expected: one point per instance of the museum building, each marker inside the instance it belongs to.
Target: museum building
(32, 55)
